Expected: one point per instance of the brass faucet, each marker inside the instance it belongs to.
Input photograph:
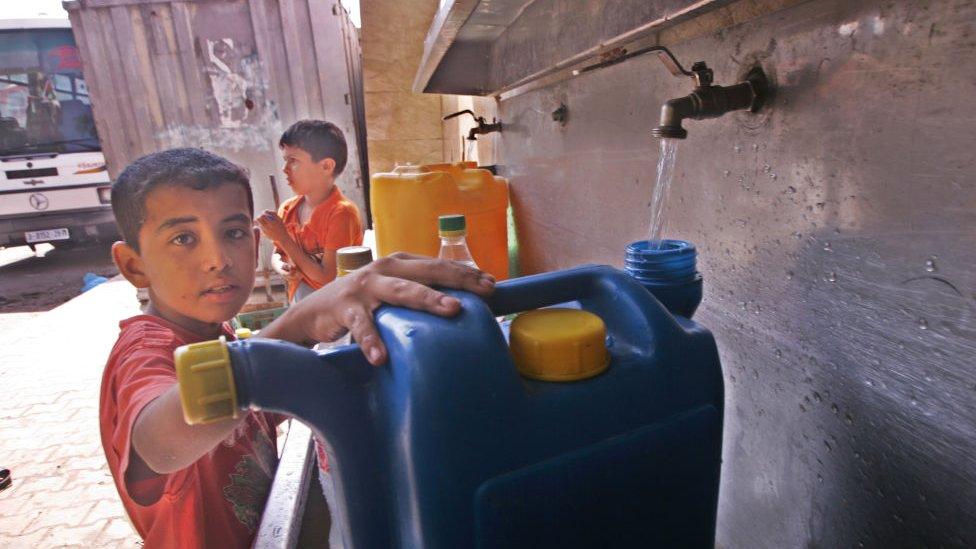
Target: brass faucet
(706, 100)
(483, 126)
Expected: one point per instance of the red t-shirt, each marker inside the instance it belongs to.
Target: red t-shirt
(334, 224)
(217, 501)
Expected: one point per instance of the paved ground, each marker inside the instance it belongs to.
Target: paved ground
(51, 365)
(31, 283)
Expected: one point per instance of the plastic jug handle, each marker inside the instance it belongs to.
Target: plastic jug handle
(608, 292)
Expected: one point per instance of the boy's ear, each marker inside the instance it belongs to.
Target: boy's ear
(328, 165)
(130, 264)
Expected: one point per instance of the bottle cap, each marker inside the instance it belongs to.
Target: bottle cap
(206, 381)
(451, 225)
(351, 258)
(559, 344)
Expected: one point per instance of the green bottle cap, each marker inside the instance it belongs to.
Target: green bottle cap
(451, 224)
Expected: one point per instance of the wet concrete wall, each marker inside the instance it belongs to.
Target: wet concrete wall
(836, 238)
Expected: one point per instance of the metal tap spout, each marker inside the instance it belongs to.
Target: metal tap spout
(483, 126)
(707, 100)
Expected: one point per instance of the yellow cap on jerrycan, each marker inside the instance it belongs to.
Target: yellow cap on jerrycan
(559, 344)
(407, 202)
(206, 381)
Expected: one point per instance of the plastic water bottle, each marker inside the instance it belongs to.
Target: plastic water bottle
(454, 246)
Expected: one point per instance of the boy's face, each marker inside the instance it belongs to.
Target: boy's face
(198, 254)
(304, 174)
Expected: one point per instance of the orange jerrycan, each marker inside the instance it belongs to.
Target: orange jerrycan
(407, 202)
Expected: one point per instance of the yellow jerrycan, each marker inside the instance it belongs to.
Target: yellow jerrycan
(407, 202)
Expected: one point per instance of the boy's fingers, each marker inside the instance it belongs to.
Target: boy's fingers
(437, 272)
(413, 295)
(360, 324)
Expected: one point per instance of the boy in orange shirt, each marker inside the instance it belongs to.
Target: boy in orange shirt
(311, 226)
(185, 215)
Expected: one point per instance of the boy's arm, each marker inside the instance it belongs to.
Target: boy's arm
(348, 303)
(274, 228)
(320, 273)
(164, 442)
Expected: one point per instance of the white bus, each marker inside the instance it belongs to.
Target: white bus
(54, 186)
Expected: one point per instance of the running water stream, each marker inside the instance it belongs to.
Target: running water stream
(470, 150)
(665, 172)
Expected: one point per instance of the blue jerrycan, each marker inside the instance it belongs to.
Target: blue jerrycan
(448, 446)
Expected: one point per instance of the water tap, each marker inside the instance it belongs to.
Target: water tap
(483, 126)
(706, 100)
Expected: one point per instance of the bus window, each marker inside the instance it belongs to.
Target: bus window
(44, 103)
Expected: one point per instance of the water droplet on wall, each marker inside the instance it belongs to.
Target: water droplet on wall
(767, 168)
(737, 148)
(817, 397)
(923, 324)
(930, 265)
(755, 146)
(727, 173)
(789, 275)
(772, 176)
(778, 353)
(827, 247)
(832, 277)
(834, 409)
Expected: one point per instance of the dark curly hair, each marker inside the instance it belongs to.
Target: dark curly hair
(320, 139)
(187, 167)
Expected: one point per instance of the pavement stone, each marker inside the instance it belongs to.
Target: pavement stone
(51, 363)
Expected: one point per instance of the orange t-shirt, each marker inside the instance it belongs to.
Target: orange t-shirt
(334, 224)
(217, 501)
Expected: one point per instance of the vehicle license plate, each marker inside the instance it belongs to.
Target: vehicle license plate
(46, 235)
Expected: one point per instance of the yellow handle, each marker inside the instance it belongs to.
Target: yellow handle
(207, 389)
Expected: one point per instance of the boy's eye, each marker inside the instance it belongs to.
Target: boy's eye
(182, 239)
(237, 234)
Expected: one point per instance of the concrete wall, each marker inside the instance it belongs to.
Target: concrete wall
(836, 237)
(401, 126)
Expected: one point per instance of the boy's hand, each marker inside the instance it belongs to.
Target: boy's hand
(347, 304)
(272, 226)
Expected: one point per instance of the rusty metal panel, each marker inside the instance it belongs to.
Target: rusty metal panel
(836, 236)
(225, 75)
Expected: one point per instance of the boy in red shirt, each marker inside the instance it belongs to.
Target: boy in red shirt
(311, 226)
(185, 215)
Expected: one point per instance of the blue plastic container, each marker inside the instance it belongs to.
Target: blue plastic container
(667, 269)
(447, 446)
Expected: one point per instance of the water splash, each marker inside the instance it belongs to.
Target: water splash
(665, 173)
(470, 150)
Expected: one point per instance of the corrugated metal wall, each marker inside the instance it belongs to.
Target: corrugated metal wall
(836, 237)
(225, 75)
